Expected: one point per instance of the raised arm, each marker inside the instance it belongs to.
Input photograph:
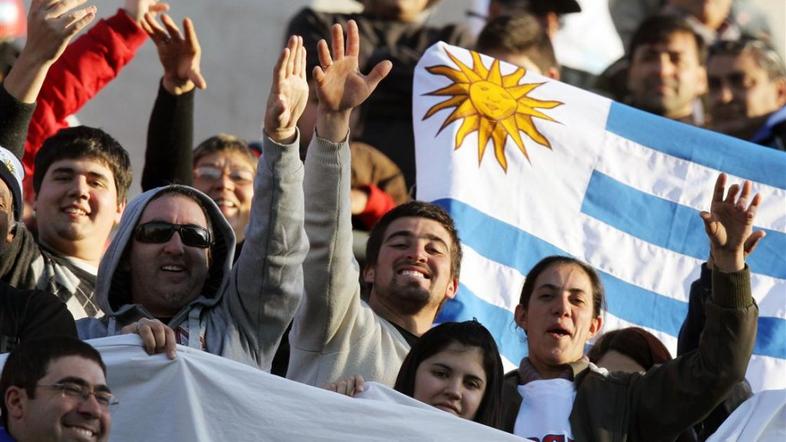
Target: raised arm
(86, 66)
(50, 28)
(170, 133)
(268, 276)
(332, 289)
(693, 384)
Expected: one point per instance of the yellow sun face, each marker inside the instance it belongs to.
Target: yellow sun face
(495, 106)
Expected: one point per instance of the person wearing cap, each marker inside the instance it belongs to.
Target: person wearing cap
(394, 30)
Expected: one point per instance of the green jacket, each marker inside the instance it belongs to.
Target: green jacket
(661, 403)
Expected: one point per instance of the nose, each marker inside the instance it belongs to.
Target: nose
(417, 252)
(561, 305)
(724, 93)
(453, 388)
(175, 245)
(224, 181)
(664, 66)
(79, 187)
(90, 407)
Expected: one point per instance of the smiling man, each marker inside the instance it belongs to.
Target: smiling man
(55, 390)
(168, 274)
(666, 74)
(413, 253)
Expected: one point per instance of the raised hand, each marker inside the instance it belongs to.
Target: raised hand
(136, 9)
(180, 55)
(288, 93)
(729, 224)
(51, 25)
(340, 86)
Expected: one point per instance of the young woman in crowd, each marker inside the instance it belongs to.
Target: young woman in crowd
(557, 393)
(455, 367)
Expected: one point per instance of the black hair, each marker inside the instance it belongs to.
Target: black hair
(85, 142)
(598, 294)
(660, 28)
(416, 209)
(469, 334)
(29, 362)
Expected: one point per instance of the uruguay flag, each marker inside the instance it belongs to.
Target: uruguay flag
(529, 167)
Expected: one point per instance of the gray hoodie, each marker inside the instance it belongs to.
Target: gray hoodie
(243, 310)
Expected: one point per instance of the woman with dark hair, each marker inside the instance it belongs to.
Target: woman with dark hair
(455, 367)
(628, 349)
(557, 393)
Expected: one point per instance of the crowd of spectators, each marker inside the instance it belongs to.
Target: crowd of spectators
(308, 255)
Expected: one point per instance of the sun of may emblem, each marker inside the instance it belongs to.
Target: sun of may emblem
(495, 106)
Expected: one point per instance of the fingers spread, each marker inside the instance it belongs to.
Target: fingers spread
(353, 39)
(379, 72)
(324, 54)
(720, 188)
(337, 39)
(171, 27)
(191, 35)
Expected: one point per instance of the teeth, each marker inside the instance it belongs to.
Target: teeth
(75, 211)
(413, 273)
(83, 431)
(172, 268)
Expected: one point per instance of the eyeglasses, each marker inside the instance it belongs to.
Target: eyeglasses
(157, 232)
(104, 398)
(212, 174)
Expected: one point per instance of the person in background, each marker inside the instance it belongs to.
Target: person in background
(395, 30)
(519, 40)
(747, 92)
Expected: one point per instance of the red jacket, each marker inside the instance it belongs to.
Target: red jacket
(87, 65)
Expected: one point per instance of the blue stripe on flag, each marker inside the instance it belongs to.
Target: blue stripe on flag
(667, 224)
(511, 340)
(711, 149)
(771, 337)
(515, 248)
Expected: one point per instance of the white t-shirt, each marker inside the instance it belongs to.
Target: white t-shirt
(544, 415)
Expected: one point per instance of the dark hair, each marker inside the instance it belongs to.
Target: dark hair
(633, 342)
(225, 143)
(417, 209)
(29, 362)
(764, 55)
(190, 193)
(598, 295)
(659, 28)
(469, 334)
(83, 142)
(519, 34)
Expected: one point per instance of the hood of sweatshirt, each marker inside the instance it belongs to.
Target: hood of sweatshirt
(113, 286)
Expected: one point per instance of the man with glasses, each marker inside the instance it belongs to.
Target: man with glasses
(55, 389)
(168, 274)
(747, 92)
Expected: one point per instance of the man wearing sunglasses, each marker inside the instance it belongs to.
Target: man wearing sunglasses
(55, 389)
(168, 274)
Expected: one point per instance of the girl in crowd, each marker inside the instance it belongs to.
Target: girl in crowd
(557, 394)
(455, 367)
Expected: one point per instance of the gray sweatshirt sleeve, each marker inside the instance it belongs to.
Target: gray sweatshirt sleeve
(331, 282)
(267, 280)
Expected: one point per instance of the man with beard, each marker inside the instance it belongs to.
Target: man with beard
(747, 94)
(413, 253)
(666, 74)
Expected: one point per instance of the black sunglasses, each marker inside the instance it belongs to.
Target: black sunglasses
(157, 232)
